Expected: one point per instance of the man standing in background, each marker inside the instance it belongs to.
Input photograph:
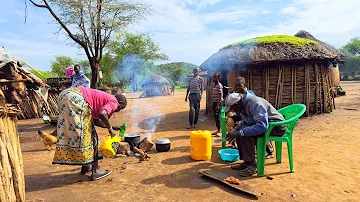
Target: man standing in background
(194, 92)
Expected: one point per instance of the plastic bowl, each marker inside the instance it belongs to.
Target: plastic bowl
(229, 155)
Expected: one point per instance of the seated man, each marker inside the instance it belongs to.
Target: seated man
(240, 87)
(256, 114)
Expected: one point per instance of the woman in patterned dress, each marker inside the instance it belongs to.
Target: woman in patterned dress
(80, 109)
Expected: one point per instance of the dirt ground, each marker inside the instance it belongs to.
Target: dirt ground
(325, 153)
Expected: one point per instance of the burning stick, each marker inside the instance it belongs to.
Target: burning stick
(146, 145)
(143, 156)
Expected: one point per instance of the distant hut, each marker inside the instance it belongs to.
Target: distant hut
(282, 69)
(156, 85)
(334, 67)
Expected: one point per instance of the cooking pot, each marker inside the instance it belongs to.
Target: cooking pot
(132, 139)
(162, 145)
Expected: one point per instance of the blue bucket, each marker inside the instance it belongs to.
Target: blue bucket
(229, 154)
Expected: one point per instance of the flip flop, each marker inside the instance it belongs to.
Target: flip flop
(216, 134)
(86, 169)
(97, 176)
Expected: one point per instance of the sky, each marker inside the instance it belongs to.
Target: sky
(186, 30)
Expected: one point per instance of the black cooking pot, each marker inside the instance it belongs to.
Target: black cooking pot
(162, 145)
(132, 139)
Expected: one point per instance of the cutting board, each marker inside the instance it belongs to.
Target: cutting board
(220, 176)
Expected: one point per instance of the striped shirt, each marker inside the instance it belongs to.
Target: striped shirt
(195, 84)
(217, 92)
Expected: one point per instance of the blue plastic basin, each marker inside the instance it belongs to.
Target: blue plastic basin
(229, 154)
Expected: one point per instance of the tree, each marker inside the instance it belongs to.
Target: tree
(352, 58)
(91, 23)
(61, 62)
(353, 46)
(129, 56)
(177, 71)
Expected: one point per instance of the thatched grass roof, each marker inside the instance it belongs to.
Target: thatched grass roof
(306, 35)
(6, 57)
(268, 49)
(156, 79)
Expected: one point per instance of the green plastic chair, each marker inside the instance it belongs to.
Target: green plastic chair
(292, 113)
(223, 125)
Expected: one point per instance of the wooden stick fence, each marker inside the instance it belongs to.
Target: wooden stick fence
(284, 84)
(12, 169)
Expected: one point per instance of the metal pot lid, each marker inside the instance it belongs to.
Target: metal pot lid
(162, 141)
(132, 135)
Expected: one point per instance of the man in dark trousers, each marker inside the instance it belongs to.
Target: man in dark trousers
(194, 93)
(256, 114)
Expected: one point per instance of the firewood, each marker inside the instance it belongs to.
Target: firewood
(123, 148)
(143, 156)
(146, 145)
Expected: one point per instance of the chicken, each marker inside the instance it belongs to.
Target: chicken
(48, 139)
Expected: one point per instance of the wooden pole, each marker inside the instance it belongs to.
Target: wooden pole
(11, 166)
(316, 87)
(324, 91)
(292, 84)
(267, 83)
(278, 87)
(13, 81)
(295, 84)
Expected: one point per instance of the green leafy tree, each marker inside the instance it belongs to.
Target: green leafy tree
(141, 45)
(352, 58)
(177, 72)
(61, 62)
(91, 23)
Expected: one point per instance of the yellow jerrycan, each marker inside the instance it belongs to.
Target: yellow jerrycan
(200, 145)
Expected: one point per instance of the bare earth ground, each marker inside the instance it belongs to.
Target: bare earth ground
(325, 151)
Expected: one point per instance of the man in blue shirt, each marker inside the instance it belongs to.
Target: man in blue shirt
(256, 113)
(240, 87)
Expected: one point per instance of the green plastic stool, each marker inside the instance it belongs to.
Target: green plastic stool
(292, 113)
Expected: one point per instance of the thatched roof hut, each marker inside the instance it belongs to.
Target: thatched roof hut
(156, 85)
(282, 69)
(334, 68)
(21, 87)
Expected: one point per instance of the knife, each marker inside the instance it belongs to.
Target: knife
(220, 140)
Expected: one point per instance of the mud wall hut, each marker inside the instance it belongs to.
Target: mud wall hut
(19, 86)
(156, 85)
(334, 67)
(282, 69)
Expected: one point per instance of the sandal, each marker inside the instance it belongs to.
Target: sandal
(97, 176)
(240, 166)
(86, 168)
(216, 134)
(248, 171)
(269, 156)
